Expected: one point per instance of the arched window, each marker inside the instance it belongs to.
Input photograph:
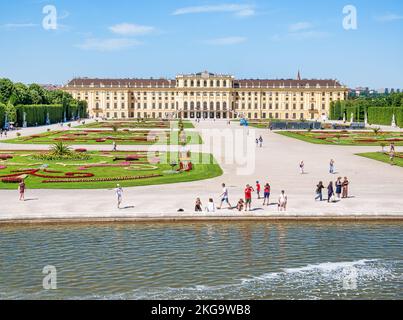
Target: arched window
(211, 83)
(97, 106)
(218, 105)
(205, 105)
(192, 83)
(185, 83)
(198, 105)
(205, 83)
(185, 105)
(224, 105)
(218, 83)
(212, 105)
(192, 105)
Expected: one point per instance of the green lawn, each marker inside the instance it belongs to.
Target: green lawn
(98, 137)
(358, 138)
(103, 165)
(384, 157)
(134, 124)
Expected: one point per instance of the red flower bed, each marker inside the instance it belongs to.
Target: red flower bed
(100, 140)
(5, 156)
(394, 140)
(81, 150)
(68, 175)
(12, 180)
(104, 179)
(367, 140)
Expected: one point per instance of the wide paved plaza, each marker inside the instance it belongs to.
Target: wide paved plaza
(376, 188)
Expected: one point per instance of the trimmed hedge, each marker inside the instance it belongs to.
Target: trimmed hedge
(36, 114)
(338, 109)
(2, 114)
(383, 115)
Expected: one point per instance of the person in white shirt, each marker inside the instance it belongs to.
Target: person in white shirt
(301, 167)
(282, 202)
(224, 197)
(211, 206)
(119, 194)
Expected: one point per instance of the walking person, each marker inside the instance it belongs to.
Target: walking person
(319, 189)
(198, 205)
(114, 146)
(258, 188)
(261, 142)
(282, 201)
(331, 166)
(248, 197)
(301, 167)
(330, 191)
(392, 156)
(345, 188)
(257, 142)
(119, 194)
(211, 206)
(266, 195)
(21, 189)
(224, 197)
(339, 186)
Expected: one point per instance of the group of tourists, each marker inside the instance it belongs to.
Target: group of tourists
(243, 204)
(336, 191)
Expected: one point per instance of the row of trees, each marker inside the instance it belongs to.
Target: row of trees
(37, 103)
(379, 110)
(19, 93)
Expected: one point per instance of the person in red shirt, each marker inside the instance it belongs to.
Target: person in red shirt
(248, 197)
(258, 189)
(266, 194)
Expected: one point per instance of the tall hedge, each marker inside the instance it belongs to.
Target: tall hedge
(37, 114)
(2, 114)
(384, 115)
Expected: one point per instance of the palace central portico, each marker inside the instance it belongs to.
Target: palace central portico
(207, 95)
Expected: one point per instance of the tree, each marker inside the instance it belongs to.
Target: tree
(11, 112)
(6, 90)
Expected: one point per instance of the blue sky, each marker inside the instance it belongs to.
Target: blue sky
(160, 38)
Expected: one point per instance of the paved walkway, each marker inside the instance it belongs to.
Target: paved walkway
(376, 188)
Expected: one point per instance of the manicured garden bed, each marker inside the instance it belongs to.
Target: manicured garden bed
(135, 124)
(101, 170)
(384, 157)
(102, 137)
(352, 138)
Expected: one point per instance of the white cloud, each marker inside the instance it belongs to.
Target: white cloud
(20, 25)
(312, 34)
(131, 29)
(301, 31)
(226, 41)
(241, 10)
(300, 26)
(112, 44)
(389, 17)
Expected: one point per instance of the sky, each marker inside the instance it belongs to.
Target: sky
(55, 41)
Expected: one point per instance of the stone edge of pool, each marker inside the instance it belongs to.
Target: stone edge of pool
(198, 218)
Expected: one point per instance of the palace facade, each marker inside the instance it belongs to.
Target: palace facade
(207, 95)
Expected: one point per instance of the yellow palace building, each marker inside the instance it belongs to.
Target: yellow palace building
(208, 95)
